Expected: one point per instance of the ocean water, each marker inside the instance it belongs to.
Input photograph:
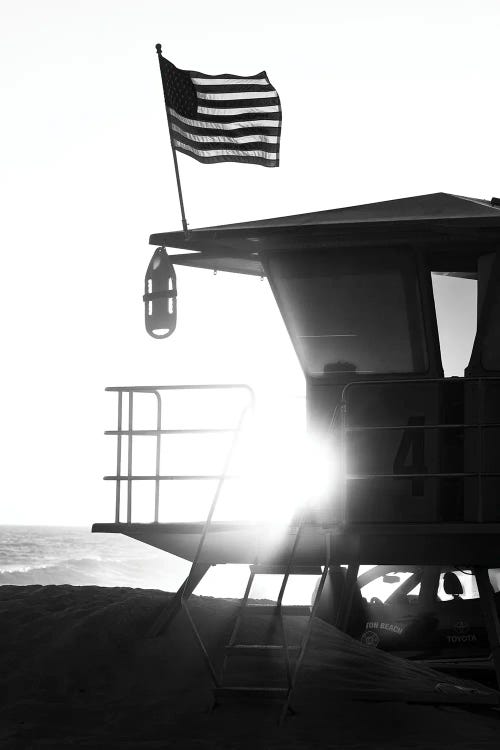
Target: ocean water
(73, 555)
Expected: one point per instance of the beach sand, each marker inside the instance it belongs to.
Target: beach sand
(77, 670)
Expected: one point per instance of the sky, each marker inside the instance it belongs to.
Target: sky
(380, 100)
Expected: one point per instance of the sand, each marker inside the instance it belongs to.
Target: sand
(77, 670)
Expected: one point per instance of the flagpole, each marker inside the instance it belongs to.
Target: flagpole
(174, 153)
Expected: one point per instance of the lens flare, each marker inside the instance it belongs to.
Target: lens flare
(280, 473)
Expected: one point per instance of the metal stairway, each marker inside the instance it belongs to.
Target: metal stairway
(279, 682)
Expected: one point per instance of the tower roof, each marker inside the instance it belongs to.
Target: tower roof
(236, 246)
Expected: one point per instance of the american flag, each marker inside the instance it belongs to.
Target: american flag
(223, 117)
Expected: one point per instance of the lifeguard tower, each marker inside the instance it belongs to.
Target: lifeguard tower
(419, 453)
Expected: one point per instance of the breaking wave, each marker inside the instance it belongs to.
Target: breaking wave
(55, 555)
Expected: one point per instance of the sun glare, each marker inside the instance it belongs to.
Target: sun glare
(280, 472)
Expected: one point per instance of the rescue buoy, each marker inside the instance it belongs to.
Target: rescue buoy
(160, 295)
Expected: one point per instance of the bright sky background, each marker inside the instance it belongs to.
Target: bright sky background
(380, 100)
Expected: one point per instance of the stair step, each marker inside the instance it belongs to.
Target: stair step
(295, 570)
(260, 648)
(242, 693)
(296, 610)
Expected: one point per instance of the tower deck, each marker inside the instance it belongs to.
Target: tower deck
(461, 544)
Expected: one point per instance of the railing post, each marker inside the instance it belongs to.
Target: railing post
(118, 457)
(158, 454)
(343, 460)
(480, 420)
(129, 461)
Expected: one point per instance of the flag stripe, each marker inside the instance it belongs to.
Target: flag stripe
(224, 110)
(267, 160)
(224, 143)
(234, 88)
(233, 131)
(230, 151)
(221, 122)
(222, 136)
(243, 117)
(239, 159)
(223, 78)
(240, 105)
(256, 96)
